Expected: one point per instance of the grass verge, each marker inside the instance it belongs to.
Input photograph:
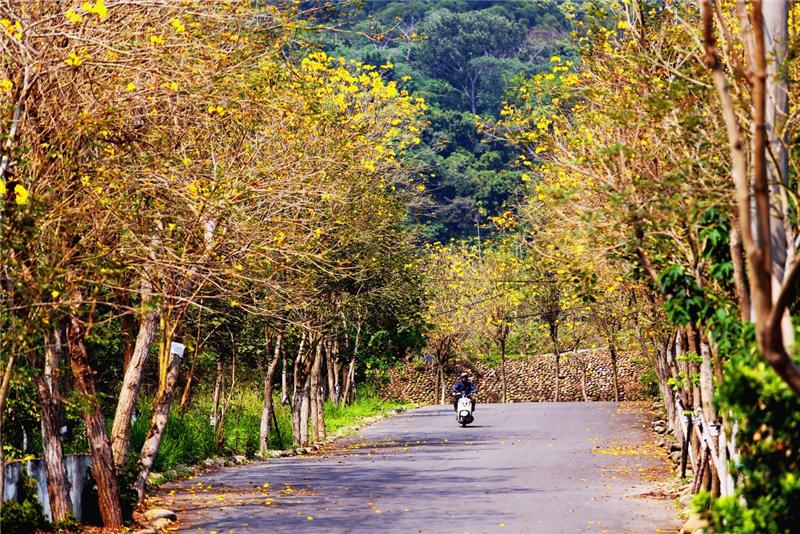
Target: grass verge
(189, 437)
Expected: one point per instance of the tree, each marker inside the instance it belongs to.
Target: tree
(466, 49)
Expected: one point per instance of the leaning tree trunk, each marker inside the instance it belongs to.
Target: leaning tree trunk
(126, 403)
(49, 401)
(102, 456)
(349, 394)
(187, 387)
(614, 370)
(266, 413)
(158, 422)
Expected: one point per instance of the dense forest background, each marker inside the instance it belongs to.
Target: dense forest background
(463, 57)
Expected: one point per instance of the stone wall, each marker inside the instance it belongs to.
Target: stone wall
(530, 379)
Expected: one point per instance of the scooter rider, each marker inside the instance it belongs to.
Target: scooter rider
(461, 386)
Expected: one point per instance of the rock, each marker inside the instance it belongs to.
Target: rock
(155, 479)
(182, 470)
(686, 500)
(661, 443)
(675, 447)
(694, 525)
(146, 531)
(209, 462)
(399, 410)
(675, 456)
(160, 524)
(158, 513)
(170, 474)
(240, 459)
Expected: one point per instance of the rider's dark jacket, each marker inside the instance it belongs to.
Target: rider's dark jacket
(459, 387)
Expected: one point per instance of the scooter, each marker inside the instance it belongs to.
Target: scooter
(464, 410)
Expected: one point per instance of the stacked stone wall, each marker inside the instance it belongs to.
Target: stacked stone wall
(530, 379)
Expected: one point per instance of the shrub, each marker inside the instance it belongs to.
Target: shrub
(768, 414)
(24, 515)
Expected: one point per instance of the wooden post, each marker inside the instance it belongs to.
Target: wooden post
(687, 440)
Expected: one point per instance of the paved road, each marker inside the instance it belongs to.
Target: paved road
(544, 467)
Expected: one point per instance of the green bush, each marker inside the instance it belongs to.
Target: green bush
(25, 515)
(768, 414)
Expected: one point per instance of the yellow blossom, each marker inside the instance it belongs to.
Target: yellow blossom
(21, 195)
(177, 25)
(73, 17)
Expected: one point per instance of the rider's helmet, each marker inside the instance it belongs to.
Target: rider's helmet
(462, 376)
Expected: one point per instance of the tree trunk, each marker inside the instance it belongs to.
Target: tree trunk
(220, 437)
(349, 394)
(296, 378)
(331, 369)
(739, 270)
(614, 370)
(267, 412)
(187, 387)
(554, 339)
(284, 380)
(157, 423)
(127, 328)
(217, 391)
(707, 383)
(126, 404)
(48, 387)
(436, 386)
(102, 456)
(503, 382)
(443, 382)
(300, 403)
(3, 394)
(317, 398)
(305, 411)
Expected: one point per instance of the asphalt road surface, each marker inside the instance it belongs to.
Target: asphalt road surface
(543, 467)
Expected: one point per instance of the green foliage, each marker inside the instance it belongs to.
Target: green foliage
(462, 57)
(768, 415)
(470, 51)
(24, 515)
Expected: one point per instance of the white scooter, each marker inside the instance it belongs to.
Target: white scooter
(464, 410)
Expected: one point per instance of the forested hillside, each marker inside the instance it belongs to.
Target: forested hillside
(462, 57)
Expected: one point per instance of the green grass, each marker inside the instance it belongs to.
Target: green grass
(338, 418)
(189, 438)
